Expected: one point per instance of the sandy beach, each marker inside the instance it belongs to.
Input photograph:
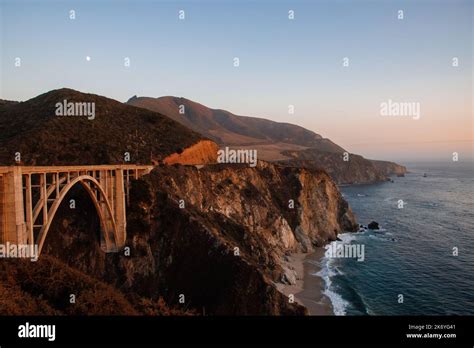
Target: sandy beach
(308, 289)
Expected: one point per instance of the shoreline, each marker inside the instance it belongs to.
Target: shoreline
(309, 288)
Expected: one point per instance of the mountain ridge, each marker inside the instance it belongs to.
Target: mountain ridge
(280, 142)
(226, 127)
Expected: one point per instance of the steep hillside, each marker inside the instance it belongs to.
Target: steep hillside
(32, 129)
(229, 129)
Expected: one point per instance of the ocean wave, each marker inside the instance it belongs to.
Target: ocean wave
(330, 270)
(345, 238)
(339, 305)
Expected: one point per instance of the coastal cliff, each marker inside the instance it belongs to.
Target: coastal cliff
(216, 237)
(356, 170)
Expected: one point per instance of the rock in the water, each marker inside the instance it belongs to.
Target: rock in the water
(374, 225)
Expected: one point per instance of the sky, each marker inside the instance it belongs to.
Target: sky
(283, 62)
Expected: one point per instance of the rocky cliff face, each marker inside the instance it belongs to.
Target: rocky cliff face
(269, 199)
(218, 234)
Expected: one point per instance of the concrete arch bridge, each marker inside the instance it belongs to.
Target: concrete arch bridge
(30, 197)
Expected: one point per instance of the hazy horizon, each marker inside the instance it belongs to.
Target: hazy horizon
(282, 62)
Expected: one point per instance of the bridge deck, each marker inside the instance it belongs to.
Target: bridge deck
(56, 169)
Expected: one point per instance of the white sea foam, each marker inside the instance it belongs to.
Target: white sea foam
(329, 270)
(339, 305)
(346, 238)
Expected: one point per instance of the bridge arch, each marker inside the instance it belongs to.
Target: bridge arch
(106, 216)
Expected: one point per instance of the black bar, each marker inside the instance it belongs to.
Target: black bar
(243, 330)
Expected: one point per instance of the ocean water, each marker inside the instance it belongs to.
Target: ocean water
(412, 254)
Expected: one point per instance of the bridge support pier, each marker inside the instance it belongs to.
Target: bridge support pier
(119, 209)
(13, 216)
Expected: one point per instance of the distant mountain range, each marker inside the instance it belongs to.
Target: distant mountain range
(276, 142)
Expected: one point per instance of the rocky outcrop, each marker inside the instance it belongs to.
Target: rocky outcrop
(373, 225)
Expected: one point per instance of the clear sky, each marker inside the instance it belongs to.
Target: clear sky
(282, 62)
